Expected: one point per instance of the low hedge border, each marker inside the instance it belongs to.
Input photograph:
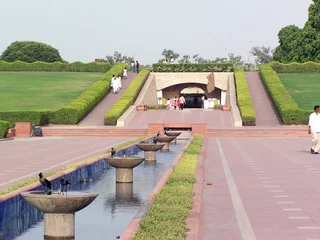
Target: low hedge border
(294, 67)
(244, 99)
(166, 217)
(287, 108)
(4, 128)
(193, 67)
(17, 187)
(126, 99)
(19, 66)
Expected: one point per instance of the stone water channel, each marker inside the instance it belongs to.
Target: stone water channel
(109, 214)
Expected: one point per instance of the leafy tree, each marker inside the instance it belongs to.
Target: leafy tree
(185, 59)
(168, 54)
(301, 45)
(262, 54)
(28, 51)
(118, 57)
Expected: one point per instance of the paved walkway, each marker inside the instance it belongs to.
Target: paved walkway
(24, 158)
(266, 115)
(95, 117)
(213, 118)
(263, 189)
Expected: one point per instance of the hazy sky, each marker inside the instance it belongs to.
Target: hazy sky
(83, 30)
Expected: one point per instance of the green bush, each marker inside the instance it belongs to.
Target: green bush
(4, 128)
(166, 217)
(127, 98)
(37, 117)
(244, 99)
(294, 67)
(19, 66)
(156, 107)
(286, 107)
(73, 112)
(192, 67)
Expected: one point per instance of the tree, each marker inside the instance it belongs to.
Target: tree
(118, 57)
(301, 45)
(170, 54)
(28, 51)
(185, 59)
(262, 54)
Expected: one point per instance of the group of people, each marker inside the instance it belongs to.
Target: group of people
(116, 83)
(135, 67)
(178, 103)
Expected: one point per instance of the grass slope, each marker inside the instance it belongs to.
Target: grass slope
(42, 90)
(304, 88)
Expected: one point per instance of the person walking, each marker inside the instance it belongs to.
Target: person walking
(182, 102)
(137, 67)
(125, 73)
(132, 67)
(314, 129)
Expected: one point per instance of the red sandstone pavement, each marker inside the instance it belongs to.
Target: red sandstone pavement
(265, 113)
(95, 117)
(23, 158)
(263, 188)
(213, 118)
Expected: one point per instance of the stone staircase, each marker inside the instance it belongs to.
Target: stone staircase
(93, 132)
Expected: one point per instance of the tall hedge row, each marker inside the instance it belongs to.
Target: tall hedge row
(295, 67)
(75, 111)
(4, 128)
(127, 98)
(287, 108)
(37, 117)
(19, 66)
(244, 99)
(192, 67)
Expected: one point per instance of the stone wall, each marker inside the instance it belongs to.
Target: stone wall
(148, 94)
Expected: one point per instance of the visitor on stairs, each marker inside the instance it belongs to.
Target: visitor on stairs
(132, 67)
(125, 74)
(114, 84)
(137, 67)
(119, 84)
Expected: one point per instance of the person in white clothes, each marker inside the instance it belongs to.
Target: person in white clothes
(125, 74)
(114, 84)
(314, 129)
(119, 82)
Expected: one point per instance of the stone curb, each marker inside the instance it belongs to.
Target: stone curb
(134, 225)
(57, 175)
(6, 139)
(194, 220)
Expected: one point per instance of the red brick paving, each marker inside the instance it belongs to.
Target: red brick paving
(23, 158)
(262, 168)
(95, 117)
(265, 112)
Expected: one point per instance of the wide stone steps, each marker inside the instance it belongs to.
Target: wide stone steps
(247, 132)
(94, 132)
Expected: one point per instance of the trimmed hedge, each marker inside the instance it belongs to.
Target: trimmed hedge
(37, 117)
(244, 99)
(294, 67)
(75, 111)
(166, 217)
(287, 108)
(127, 98)
(192, 67)
(19, 66)
(4, 128)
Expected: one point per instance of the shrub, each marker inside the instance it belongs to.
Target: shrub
(19, 66)
(73, 112)
(156, 107)
(192, 67)
(166, 217)
(37, 117)
(294, 67)
(4, 128)
(287, 108)
(127, 98)
(244, 99)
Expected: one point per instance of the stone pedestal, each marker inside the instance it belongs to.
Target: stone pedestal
(59, 211)
(124, 175)
(175, 134)
(150, 150)
(166, 140)
(59, 226)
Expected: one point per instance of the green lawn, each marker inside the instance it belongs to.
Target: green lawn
(42, 90)
(304, 88)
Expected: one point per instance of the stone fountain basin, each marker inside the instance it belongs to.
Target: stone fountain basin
(55, 203)
(165, 138)
(150, 146)
(124, 162)
(176, 134)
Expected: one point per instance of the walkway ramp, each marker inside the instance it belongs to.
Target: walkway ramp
(266, 115)
(95, 117)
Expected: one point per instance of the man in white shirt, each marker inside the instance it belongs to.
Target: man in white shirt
(314, 129)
